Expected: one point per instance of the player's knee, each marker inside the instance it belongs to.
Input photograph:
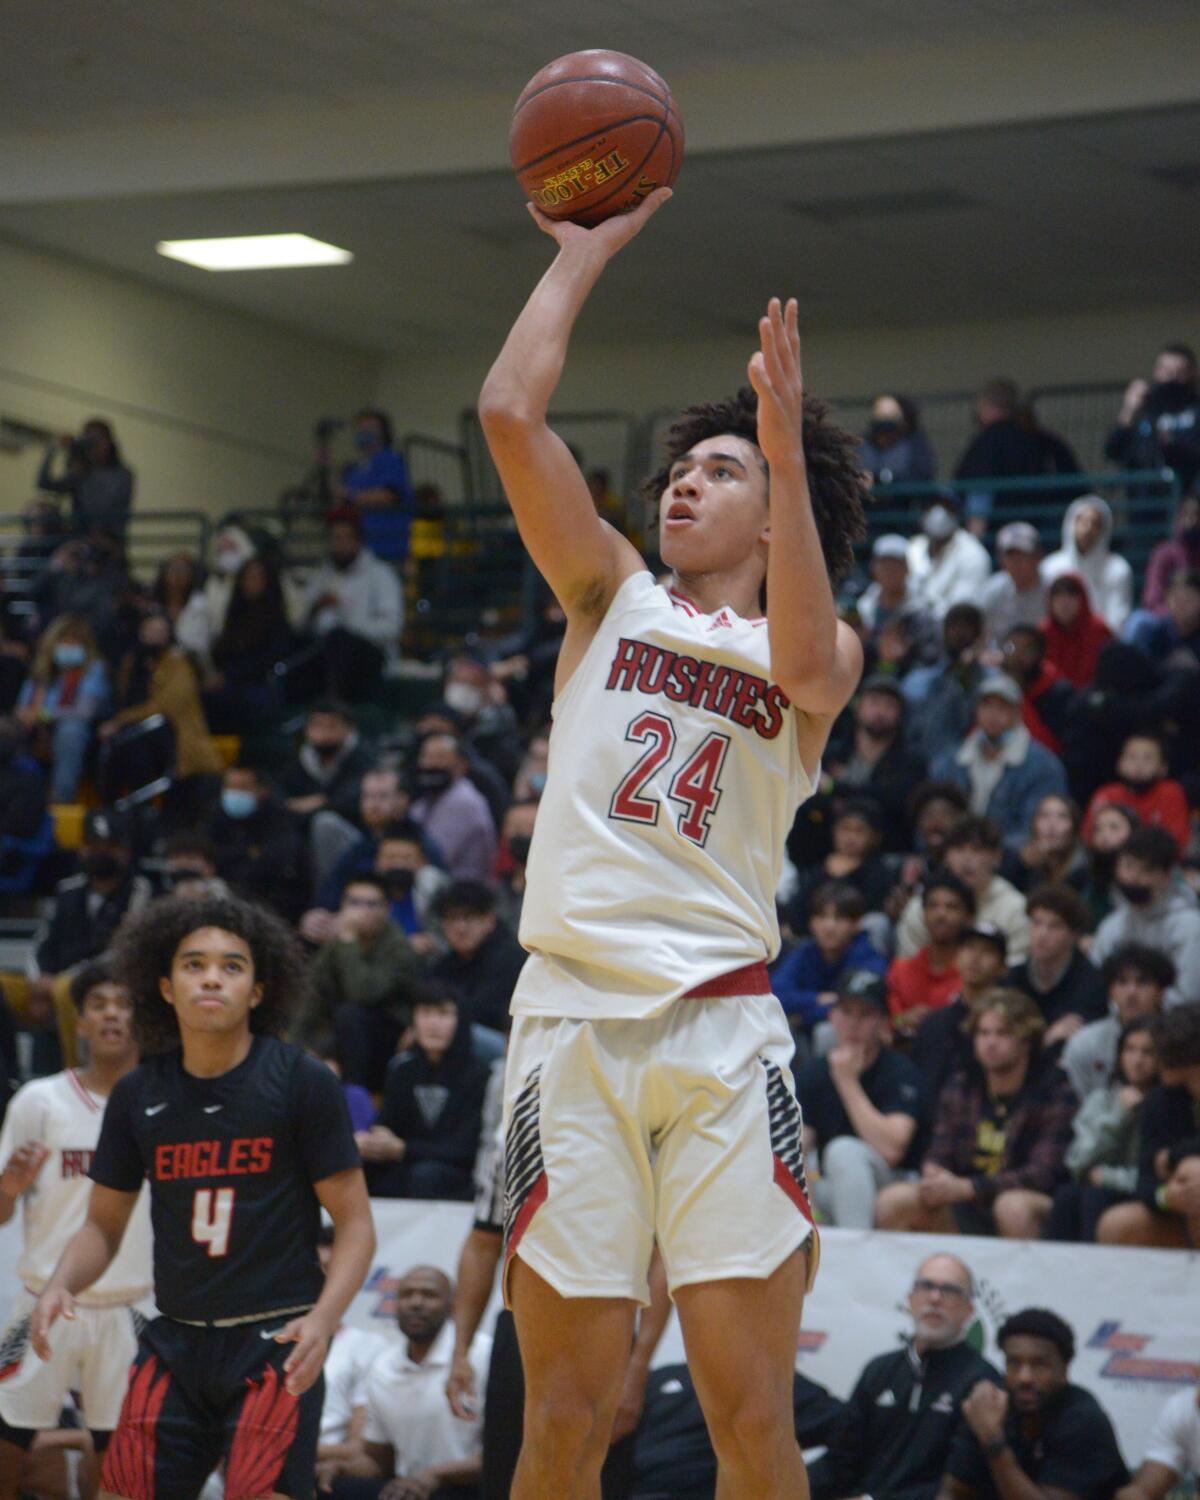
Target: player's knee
(561, 1422)
(747, 1434)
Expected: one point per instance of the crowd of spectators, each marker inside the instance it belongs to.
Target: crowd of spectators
(991, 929)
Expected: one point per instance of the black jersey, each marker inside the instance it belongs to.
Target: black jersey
(232, 1161)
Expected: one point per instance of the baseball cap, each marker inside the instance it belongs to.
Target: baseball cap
(892, 544)
(104, 825)
(988, 932)
(999, 685)
(861, 984)
(1018, 536)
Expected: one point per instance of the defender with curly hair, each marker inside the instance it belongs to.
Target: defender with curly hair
(649, 1093)
(243, 1140)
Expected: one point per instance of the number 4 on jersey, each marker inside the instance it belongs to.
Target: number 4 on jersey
(695, 784)
(212, 1219)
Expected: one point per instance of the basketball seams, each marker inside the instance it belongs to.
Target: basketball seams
(588, 136)
(659, 97)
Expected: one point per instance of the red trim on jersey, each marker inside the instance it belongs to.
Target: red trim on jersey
(10, 1369)
(534, 1199)
(73, 1075)
(791, 1187)
(129, 1457)
(753, 979)
(266, 1429)
(691, 607)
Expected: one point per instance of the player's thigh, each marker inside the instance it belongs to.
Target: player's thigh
(105, 1363)
(579, 1206)
(730, 1191)
(574, 1351)
(741, 1336)
(270, 1435)
(165, 1442)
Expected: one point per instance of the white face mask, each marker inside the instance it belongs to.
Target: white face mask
(939, 523)
(464, 697)
(228, 561)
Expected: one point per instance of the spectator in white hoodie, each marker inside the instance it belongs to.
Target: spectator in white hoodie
(1086, 549)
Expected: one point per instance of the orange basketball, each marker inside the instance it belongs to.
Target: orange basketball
(592, 134)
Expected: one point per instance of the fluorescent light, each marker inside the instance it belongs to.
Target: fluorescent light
(254, 252)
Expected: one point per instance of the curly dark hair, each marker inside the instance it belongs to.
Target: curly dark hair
(146, 945)
(1040, 1323)
(831, 455)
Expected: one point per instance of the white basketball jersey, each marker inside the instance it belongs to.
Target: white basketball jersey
(60, 1114)
(674, 779)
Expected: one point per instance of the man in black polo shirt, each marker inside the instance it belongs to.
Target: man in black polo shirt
(1040, 1436)
(244, 1140)
(860, 1105)
(895, 1434)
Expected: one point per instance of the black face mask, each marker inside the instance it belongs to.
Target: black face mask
(344, 563)
(1140, 783)
(397, 883)
(1135, 892)
(100, 866)
(1171, 395)
(431, 781)
(518, 847)
(326, 752)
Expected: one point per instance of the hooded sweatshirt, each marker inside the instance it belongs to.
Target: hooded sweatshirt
(1171, 923)
(1108, 577)
(1076, 651)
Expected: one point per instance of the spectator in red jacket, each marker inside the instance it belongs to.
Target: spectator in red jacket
(1000, 1134)
(1047, 698)
(929, 979)
(1145, 788)
(1075, 634)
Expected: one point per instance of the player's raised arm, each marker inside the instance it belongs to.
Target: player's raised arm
(815, 658)
(582, 558)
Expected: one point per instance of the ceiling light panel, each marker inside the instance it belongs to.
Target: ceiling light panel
(254, 252)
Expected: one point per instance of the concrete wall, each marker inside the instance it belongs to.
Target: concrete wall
(213, 409)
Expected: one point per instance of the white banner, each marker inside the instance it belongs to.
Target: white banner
(1136, 1313)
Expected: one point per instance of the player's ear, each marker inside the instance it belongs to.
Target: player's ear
(256, 995)
(165, 990)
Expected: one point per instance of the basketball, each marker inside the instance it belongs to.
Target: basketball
(592, 134)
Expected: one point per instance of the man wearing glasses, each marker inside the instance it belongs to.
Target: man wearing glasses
(893, 1439)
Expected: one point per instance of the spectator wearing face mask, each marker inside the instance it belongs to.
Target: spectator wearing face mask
(1159, 422)
(378, 487)
(1152, 907)
(873, 762)
(946, 563)
(516, 838)
(486, 719)
(327, 770)
(258, 842)
(413, 885)
(1144, 786)
(99, 483)
(895, 448)
(65, 695)
(451, 810)
(355, 608)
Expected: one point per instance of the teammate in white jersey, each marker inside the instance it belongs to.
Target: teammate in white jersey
(648, 1092)
(46, 1146)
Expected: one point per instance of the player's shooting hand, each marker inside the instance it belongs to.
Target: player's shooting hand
(613, 235)
(311, 1335)
(54, 1303)
(778, 380)
(22, 1168)
(460, 1388)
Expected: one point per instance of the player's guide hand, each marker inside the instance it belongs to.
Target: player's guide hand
(311, 1336)
(51, 1305)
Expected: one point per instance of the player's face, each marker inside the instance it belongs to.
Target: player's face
(106, 1022)
(713, 512)
(212, 985)
(1033, 1371)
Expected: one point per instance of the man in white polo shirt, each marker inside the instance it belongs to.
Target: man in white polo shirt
(411, 1432)
(1173, 1449)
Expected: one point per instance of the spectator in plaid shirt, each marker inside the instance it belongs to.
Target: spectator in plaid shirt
(1000, 1134)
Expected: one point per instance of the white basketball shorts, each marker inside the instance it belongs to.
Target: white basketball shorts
(682, 1127)
(90, 1354)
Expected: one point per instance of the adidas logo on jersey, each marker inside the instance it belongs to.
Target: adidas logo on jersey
(885, 1398)
(944, 1404)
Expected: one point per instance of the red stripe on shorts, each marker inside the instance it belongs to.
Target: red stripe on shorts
(752, 979)
(791, 1187)
(129, 1458)
(266, 1429)
(534, 1199)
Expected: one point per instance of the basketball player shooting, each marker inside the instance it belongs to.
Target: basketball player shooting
(648, 1090)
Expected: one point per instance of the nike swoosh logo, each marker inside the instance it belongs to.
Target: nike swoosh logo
(153, 1109)
(211, 1109)
(269, 1333)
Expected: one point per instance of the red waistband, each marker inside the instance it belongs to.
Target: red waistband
(752, 979)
